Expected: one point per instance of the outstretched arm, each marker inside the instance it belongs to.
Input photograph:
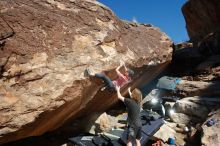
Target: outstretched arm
(117, 69)
(126, 69)
(120, 97)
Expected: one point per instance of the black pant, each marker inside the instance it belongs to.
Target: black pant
(134, 132)
(107, 81)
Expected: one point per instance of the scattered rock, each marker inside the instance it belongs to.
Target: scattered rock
(211, 135)
(193, 106)
(179, 138)
(105, 123)
(164, 133)
(180, 118)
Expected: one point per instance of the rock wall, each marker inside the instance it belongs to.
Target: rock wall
(45, 47)
(202, 18)
(199, 93)
(210, 134)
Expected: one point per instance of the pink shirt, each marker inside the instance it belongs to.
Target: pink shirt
(121, 80)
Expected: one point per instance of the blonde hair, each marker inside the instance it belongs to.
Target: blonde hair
(136, 95)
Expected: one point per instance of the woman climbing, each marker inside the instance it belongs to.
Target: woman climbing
(121, 80)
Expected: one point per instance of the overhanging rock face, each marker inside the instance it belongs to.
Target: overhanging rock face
(45, 47)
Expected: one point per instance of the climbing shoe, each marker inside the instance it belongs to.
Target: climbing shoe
(103, 88)
(87, 73)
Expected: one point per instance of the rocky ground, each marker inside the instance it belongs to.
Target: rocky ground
(199, 95)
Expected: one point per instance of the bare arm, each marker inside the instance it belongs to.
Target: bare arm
(129, 91)
(120, 97)
(126, 69)
(117, 70)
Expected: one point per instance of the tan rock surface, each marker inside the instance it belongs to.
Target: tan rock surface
(211, 135)
(47, 46)
(180, 118)
(164, 133)
(201, 88)
(193, 106)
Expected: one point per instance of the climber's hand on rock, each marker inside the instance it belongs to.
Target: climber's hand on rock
(122, 63)
(117, 88)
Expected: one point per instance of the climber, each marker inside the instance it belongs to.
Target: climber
(134, 121)
(121, 80)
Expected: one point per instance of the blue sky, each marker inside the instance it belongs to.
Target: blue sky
(165, 14)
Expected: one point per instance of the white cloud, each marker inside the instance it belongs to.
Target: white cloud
(134, 20)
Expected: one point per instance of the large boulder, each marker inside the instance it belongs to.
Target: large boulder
(181, 118)
(45, 47)
(196, 106)
(202, 22)
(211, 135)
(202, 18)
(198, 88)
